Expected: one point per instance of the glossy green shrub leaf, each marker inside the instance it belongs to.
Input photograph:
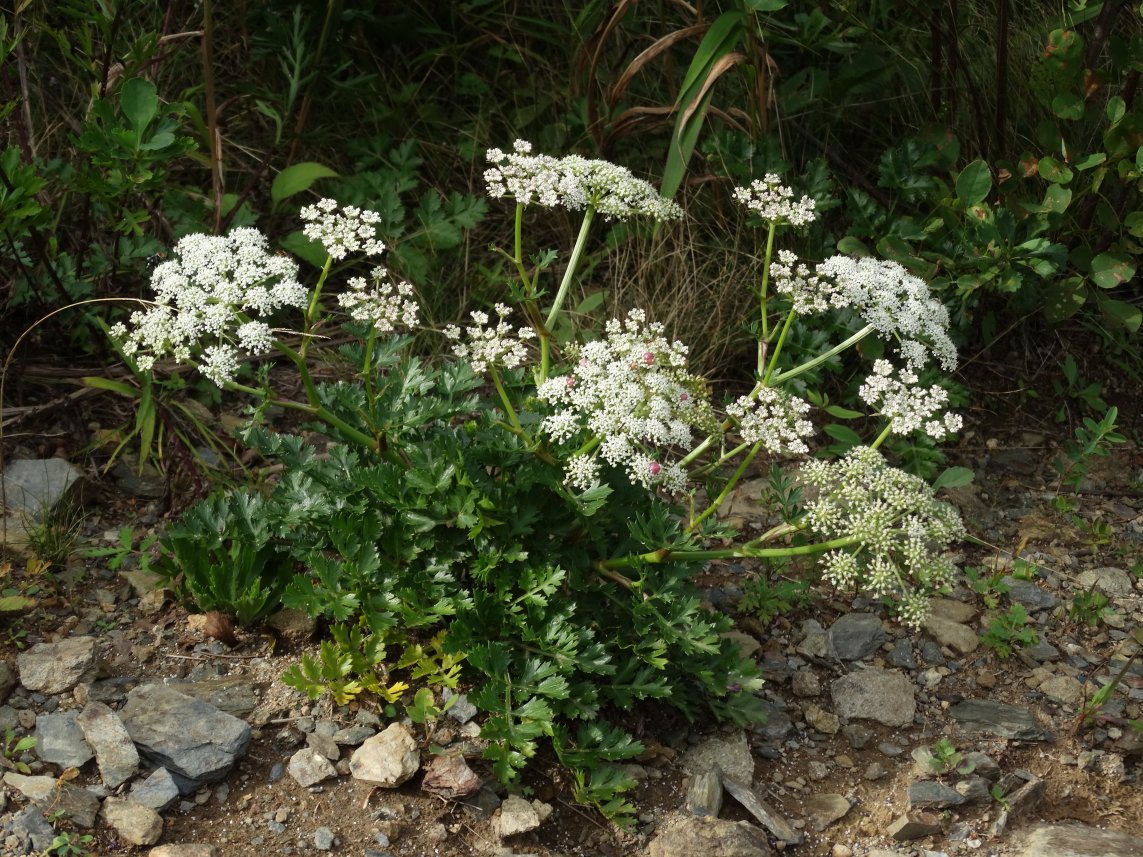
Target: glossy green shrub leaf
(299, 177)
(1109, 270)
(140, 102)
(1116, 109)
(974, 183)
(1134, 223)
(1057, 198)
(1053, 171)
(1125, 314)
(1068, 105)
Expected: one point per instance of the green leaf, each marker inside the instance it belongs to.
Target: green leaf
(1109, 270)
(1056, 199)
(766, 5)
(295, 179)
(1134, 223)
(1092, 160)
(120, 387)
(1053, 171)
(844, 434)
(842, 413)
(14, 603)
(1116, 109)
(140, 103)
(1127, 315)
(851, 246)
(1063, 298)
(592, 302)
(297, 244)
(954, 477)
(974, 183)
(1068, 105)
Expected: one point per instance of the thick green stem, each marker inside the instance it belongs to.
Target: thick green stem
(518, 249)
(726, 489)
(663, 555)
(561, 295)
(505, 401)
(778, 347)
(821, 358)
(763, 290)
(885, 432)
(356, 435)
(312, 309)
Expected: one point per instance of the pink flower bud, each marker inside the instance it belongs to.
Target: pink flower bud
(649, 358)
(655, 468)
(571, 381)
(684, 397)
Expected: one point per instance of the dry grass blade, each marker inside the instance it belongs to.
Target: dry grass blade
(657, 47)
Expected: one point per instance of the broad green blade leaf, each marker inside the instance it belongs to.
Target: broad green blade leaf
(1127, 315)
(974, 183)
(1068, 105)
(954, 477)
(1053, 171)
(1109, 270)
(120, 387)
(295, 179)
(140, 103)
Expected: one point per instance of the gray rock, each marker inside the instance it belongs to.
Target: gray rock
(855, 636)
(32, 830)
(462, 710)
(1077, 840)
(9, 718)
(1030, 595)
(857, 735)
(50, 795)
(914, 826)
(158, 791)
(689, 836)
(232, 694)
(762, 811)
(1041, 651)
(875, 694)
(189, 849)
(1111, 581)
(324, 745)
(974, 789)
(309, 768)
(136, 824)
(929, 794)
(59, 740)
(1063, 689)
(324, 839)
(932, 654)
(901, 655)
(188, 737)
(999, 719)
(449, 776)
(351, 736)
(730, 754)
(981, 764)
(387, 759)
(806, 683)
(55, 668)
(951, 609)
(7, 680)
(517, 815)
(824, 810)
(956, 636)
(32, 489)
(704, 794)
(115, 752)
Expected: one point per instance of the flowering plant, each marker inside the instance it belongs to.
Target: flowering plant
(547, 508)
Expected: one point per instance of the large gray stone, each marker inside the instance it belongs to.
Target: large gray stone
(59, 740)
(1109, 580)
(54, 668)
(1078, 840)
(690, 836)
(952, 634)
(387, 759)
(32, 489)
(232, 694)
(309, 768)
(729, 753)
(518, 815)
(997, 718)
(136, 824)
(7, 680)
(115, 752)
(186, 736)
(32, 831)
(824, 810)
(158, 791)
(929, 794)
(855, 636)
(50, 795)
(875, 694)
(1030, 595)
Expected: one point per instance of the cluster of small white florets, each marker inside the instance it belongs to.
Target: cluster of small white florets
(775, 419)
(910, 407)
(205, 296)
(883, 293)
(384, 304)
(900, 529)
(341, 232)
(631, 391)
(486, 345)
(574, 183)
(774, 202)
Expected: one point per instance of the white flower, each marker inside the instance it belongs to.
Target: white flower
(573, 183)
(809, 293)
(205, 296)
(899, 529)
(350, 230)
(581, 471)
(774, 202)
(910, 407)
(386, 305)
(632, 392)
(486, 345)
(775, 419)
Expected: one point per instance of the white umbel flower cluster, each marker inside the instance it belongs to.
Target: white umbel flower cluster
(342, 230)
(205, 296)
(384, 304)
(775, 419)
(487, 345)
(774, 202)
(574, 183)
(631, 391)
(896, 303)
(901, 529)
(910, 407)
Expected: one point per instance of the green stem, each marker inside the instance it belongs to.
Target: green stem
(778, 347)
(356, 435)
(821, 358)
(506, 402)
(312, 309)
(367, 365)
(726, 489)
(664, 555)
(518, 249)
(561, 295)
(763, 290)
(885, 432)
